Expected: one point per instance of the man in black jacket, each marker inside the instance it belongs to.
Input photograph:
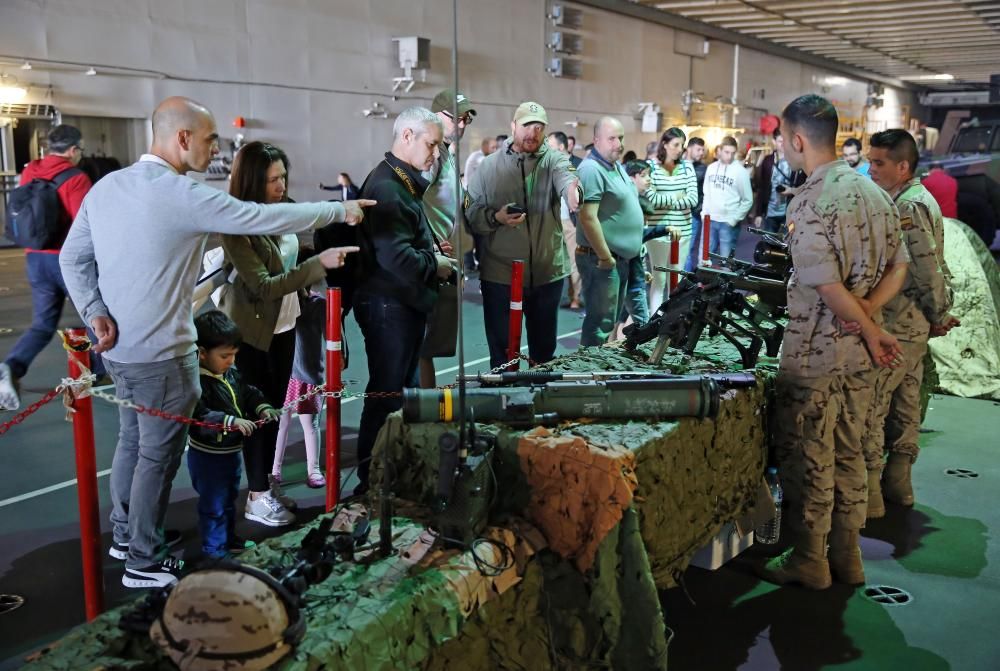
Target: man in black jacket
(401, 269)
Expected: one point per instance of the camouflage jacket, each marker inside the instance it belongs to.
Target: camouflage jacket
(841, 228)
(925, 298)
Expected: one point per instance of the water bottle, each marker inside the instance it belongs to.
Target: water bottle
(769, 532)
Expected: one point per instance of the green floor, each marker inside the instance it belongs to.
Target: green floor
(940, 552)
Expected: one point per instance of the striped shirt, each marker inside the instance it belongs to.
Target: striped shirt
(672, 194)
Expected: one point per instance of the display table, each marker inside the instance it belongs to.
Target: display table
(598, 517)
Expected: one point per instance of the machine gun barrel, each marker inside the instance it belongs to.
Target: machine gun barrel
(638, 398)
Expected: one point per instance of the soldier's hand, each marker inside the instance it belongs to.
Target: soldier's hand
(942, 329)
(853, 328)
(757, 221)
(354, 212)
(884, 349)
(508, 219)
(244, 426)
(446, 248)
(649, 277)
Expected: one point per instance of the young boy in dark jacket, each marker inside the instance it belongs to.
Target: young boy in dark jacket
(214, 455)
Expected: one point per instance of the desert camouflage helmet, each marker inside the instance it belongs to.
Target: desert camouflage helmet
(227, 617)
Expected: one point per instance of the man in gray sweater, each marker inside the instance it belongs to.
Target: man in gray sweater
(130, 264)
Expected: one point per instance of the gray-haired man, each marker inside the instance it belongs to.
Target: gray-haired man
(402, 269)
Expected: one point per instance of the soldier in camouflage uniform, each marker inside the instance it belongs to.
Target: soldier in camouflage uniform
(919, 311)
(845, 244)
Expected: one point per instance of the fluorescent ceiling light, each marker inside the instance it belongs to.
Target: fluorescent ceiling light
(928, 78)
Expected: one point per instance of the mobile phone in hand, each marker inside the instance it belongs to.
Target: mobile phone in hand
(514, 209)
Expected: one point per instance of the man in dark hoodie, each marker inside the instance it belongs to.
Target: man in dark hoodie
(401, 269)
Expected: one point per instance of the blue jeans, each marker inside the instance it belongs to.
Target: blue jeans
(723, 238)
(216, 478)
(635, 302)
(149, 450)
(48, 294)
(603, 292)
(393, 332)
(541, 315)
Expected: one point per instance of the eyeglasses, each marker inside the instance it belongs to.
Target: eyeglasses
(465, 119)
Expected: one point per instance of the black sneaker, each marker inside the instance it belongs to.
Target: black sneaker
(171, 537)
(167, 572)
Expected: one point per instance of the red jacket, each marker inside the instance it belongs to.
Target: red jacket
(944, 188)
(71, 192)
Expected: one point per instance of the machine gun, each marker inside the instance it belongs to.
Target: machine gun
(771, 258)
(712, 299)
(648, 397)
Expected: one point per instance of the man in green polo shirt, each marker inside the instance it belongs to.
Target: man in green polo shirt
(610, 231)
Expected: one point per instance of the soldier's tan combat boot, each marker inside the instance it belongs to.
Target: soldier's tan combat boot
(845, 557)
(876, 504)
(897, 486)
(804, 563)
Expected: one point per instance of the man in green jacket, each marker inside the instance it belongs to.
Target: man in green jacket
(513, 209)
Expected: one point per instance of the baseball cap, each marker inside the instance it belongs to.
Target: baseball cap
(445, 102)
(530, 112)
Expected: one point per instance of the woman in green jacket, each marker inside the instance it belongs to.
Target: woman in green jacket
(264, 303)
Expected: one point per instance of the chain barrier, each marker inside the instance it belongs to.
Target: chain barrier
(27, 412)
(81, 387)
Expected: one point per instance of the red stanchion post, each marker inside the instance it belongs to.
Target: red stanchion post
(516, 313)
(86, 479)
(706, 231)
(675, 260)
(334, 357)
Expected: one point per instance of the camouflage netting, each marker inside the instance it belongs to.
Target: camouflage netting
(968, 358)
(576, 518)
(376, 614)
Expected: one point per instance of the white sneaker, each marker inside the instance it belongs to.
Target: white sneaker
(268, 510)
(9, 399)
(167, 572)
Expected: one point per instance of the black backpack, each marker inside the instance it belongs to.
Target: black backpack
(34, 210)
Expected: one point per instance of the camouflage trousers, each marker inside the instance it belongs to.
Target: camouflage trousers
(817, 425)
(894, 421)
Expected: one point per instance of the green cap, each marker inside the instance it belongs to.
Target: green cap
(530, 112)
(445, 102)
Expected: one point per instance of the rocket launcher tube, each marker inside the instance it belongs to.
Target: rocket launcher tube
(635, 398)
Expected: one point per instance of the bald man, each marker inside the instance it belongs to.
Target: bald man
(610, 232)
(130, 264)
